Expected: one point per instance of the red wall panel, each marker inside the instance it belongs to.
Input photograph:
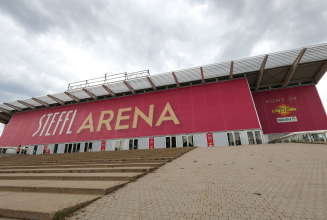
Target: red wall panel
(302, 102)
(211, 107)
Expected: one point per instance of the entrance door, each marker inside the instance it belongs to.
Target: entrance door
(119, 144)
(74, 147)
(187, 141)
(88, 147)
(70, 146)
(55, 149)
(133, 144)
(234, 138)
(35, 149)
(254, 137)
(171, 142)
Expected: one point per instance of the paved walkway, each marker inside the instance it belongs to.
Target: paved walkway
(285, 181)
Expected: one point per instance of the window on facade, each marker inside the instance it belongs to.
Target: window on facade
(78, 149)
(230, 139)
(74, 147)
(237, 138)
(317, 137)
(294, 138)
(187, 141)
(258, 137)
(66, 148)
(55, 149)
(286, 140)
(173, 142)
(304, 137)
(170, 142)
(90, 147)
(250, 137)
(119, 144)
(167, 142)
(35, 149)
(70, 146)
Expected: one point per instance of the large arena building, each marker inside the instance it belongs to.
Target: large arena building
(240, 102)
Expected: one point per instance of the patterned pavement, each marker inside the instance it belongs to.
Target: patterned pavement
(277, 181)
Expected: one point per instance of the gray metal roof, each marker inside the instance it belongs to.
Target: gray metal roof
(276, 69)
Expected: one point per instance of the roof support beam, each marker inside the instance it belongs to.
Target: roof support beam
(90, 94)
(26, 104)
(4, 117)
(109, 91)
(321, 73)
(129, 87)
(14, 107)
(231, 70)
(6, 111)
(262, 69)
(72, 96)
(41, 102)
(3, 121)
(293, 68)
(151, 83)
(57, 100)
(202, 74)
(177, 83)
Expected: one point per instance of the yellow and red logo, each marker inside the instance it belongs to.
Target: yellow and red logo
(284, 110)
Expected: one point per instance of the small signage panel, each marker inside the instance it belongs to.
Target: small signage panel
(103, 145)
(151, 142)
(210, 140)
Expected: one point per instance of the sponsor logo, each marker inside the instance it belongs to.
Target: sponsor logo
(284, 110)
(287, 119)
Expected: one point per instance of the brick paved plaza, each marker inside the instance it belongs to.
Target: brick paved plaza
(281, 181)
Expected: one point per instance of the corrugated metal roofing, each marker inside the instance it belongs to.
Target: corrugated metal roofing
(276, 69)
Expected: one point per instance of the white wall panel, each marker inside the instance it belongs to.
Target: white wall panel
(144, 143)
(179, 142)
(159, 142)
(126, 144)
(39, 149)
(51, 147)
(244, 138)
(200, 140)
(61, 149)
(110, 145)
(96, 146)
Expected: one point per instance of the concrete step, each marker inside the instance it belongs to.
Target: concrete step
(73, 176)
(83, 165)
(40, 206)
(61, 186)
(80, 170)
(33, 163)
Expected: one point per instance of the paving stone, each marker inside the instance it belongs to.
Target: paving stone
(248, 186)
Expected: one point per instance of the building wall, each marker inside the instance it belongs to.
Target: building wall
(290, 110)
(219, 106)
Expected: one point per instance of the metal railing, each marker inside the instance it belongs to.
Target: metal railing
(107, 79)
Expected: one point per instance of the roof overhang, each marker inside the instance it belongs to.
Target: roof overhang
(291, 68)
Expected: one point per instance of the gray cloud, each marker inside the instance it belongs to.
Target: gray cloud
(47, 44)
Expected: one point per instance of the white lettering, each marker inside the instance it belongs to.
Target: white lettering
(49, 115)
(66, 119)
(71, 122)
(40, 125)
(59, 120)
(51, 122)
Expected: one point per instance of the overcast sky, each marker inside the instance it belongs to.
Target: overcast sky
(47, 44)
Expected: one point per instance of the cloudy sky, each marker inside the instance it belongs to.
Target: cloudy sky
(47, 44)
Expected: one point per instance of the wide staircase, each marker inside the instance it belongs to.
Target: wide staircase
(52, 186)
